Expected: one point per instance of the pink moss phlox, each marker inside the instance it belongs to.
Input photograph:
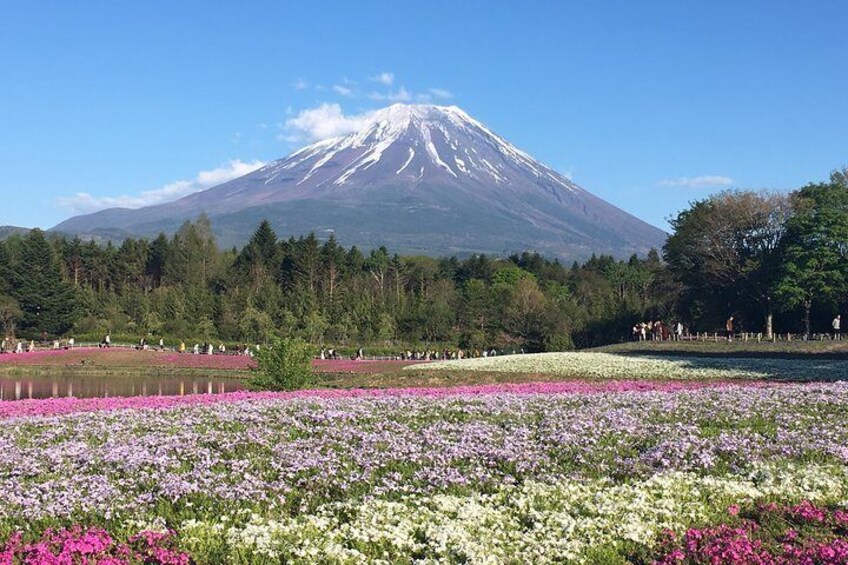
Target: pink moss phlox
(60, 406)
(77, 545)
(748, 544)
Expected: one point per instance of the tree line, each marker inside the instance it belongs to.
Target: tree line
(185, 288)
(765, 258)
(773, 261)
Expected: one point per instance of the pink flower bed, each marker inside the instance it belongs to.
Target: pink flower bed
(89, 546)
(125, 357)
(352, 366)
(59, 406)
(39, 356)
(770, 535)
(225, 362)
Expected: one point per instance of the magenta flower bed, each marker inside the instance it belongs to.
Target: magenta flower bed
(125, 357)
(801, 534)
(59, 406)
(226, 362)
(89, 546)
(353, 366)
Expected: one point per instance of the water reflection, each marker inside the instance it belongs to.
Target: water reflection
(18, 388)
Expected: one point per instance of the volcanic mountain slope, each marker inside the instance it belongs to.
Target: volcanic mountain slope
(416, 178)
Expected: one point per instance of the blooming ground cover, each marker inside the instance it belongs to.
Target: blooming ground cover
(133, 359)
(542, 473)
(610, 366)
(124, 357)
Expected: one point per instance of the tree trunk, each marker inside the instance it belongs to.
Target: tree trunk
(769, 318)
(769, 324)
(807, 306)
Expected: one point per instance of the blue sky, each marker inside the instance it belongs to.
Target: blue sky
(649, 105)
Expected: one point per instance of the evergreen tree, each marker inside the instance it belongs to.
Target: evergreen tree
(46, 300)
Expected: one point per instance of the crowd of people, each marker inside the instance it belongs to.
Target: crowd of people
(16, 346)
(652, 330)
(658, 331)
(419, 355)
(447, 354)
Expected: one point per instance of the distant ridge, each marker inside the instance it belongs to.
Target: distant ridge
(416, 178)
(8, 231)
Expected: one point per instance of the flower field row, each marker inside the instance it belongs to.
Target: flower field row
(130, 358)
(482, 474)
(611, 366)
(70, 405)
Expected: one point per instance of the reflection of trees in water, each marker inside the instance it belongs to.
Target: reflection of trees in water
(20, 388)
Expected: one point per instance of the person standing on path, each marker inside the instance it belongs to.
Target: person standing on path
(837, 327)
(729, 327)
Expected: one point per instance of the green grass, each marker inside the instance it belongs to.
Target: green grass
(795, 349)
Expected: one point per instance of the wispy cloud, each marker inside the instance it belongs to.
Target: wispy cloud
(441, 93)
(300, 84)
(322, 122)
(83, 202)
(343, 90)
(399, 95)
(386, 79)
(697, 182)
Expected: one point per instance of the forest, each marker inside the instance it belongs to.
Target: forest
(774, 261)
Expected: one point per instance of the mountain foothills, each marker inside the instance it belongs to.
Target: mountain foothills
(419, 179)
(7, 231)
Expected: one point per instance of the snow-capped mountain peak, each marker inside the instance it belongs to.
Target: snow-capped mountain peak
(417, 178)
(440, 140)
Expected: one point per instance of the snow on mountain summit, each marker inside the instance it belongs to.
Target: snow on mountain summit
(416, 178)
(441, 140)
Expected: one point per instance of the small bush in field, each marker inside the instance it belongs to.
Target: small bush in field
(285, 365)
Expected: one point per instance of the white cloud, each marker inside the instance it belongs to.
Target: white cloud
(441, 93)
(399, 95)
(300, 84)
(697, 182)
(322, 122)
(343, 90)
(82, 202)
(386, 79)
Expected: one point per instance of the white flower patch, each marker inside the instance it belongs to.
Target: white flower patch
(610, 366)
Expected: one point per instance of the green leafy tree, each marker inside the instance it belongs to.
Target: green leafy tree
(10, 313)
(725, 250)
(815, 251)
(284, 365)
(255, 325)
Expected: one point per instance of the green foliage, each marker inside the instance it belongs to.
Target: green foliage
(47, 301)
(10, 313)
(184, 287)
(286, 364)
(255, 326)
(815, 250)
(724, 250)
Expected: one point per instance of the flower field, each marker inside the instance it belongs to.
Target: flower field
(593, 472)
(126, 358)
(610, 366)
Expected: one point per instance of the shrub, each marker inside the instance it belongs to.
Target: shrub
(285, 365)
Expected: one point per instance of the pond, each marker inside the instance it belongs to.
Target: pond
(53, 386)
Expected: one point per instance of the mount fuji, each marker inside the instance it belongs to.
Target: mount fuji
(420, 179)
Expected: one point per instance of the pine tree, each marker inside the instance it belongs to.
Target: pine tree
(46, 300)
